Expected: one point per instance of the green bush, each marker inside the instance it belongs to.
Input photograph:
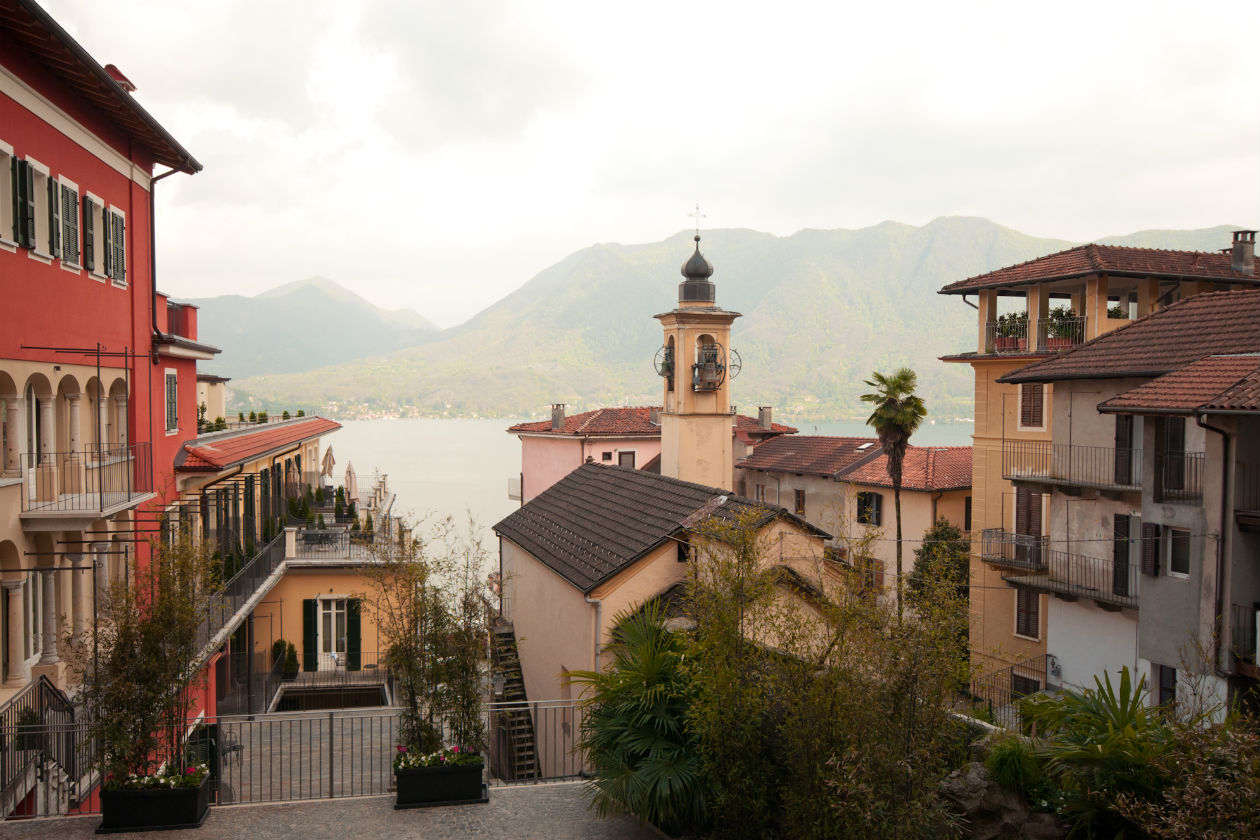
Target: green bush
(253, 417)
(278, 648)
(285, 414)
(1013, 765)
(291, 659)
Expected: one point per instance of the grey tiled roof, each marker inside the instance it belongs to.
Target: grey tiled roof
(598, 520)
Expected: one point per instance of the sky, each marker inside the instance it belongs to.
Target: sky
(437, 155)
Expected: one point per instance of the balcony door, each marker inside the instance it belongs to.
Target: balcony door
(332, 634)
(1028, 526)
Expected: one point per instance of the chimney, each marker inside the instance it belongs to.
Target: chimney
(557, 416)
(1243, 256)
(117, 76)
(763, 416)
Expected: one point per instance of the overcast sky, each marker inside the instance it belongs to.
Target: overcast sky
(436, 155)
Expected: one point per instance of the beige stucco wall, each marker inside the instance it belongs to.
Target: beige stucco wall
(280, 614)
(213, 395)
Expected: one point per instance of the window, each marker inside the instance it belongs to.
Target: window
(1028, 540)
(1120, 583)
(760, 494)
(8, 200)
(1027, 613)
(1124, 449)
(800, 502)
(114, 231)
(69, 205)
(1031, 405)
(93, 258)
(1022, 686)
(1177, 548)
(172, 401)
(1167, 678)
(684, 548)
(869, 508)
(625, 459)
(27, 182)
(966, 513)
(606, 456)
(1150, 549)
(1171, 433)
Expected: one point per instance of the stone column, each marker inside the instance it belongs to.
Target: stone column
(12, 411)
(79, 610)
(100, 573)
(48, 431)
(15, 590)
(48, 644)
(120, 414)
(73, 478)
(76, 433)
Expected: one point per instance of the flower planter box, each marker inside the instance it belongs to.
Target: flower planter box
(1056, 343)
(424, 787)
(156, 809)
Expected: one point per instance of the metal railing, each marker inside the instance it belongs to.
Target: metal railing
(1102, 467)
(249, 688)
(225, 605)
(88, 479)
(1060, 333)
(998, 693)
(41, 740)
(334, 544)
(1006, 336)
(1180, 477)
(1018, 551)
(1104, 581)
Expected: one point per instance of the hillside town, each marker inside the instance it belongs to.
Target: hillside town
(695, 621)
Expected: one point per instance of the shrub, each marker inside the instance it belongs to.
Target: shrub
(253, 417)
(319, 522)
(278, 649)
(301, 413)
(1013, 765)
(284, 415)
(290, 658)
(240, 416)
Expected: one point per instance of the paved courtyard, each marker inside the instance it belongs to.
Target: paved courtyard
(546, 812)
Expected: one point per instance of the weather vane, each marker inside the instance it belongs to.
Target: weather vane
(697, 216)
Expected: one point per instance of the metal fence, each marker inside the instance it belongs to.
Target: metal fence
(1091, 577)
(335, 544)
(1018, 551)
(997, 694)
(1079, 466)
(1060, 333)
(88, 479)
(225, 605)
(1180, 477)
(1008, 336)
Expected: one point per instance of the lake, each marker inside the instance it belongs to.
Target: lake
(461, 467)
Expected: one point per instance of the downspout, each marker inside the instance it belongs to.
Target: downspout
(599, 621)
(936, 498)
(1223, 543)
(157, 334)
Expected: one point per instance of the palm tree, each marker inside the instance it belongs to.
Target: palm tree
(898, 412)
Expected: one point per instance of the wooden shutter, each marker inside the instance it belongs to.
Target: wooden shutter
(1028, 524)
(23, 204)
(15, 179)
(967, 513)
(877, 508)
(1174, 453)
(1124, 449)
(69, 224)
(54, 219)
(120, 248)
(1031, 404)
(1150, 549)
(1120, 555)
(310, 615)
(107, 243)
(354, 636)
(89, 235)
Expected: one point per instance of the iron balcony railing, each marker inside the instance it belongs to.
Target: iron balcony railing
(1075, 575)
(336, 544)
(1054, 334)
(39, 737)
(997, 694)
(1102, 467)
(1006, 336)
(1016, 551)
(225, 605)
(1180, 477)
(88, 479)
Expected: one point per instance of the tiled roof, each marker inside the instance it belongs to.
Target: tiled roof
(623, 421)
(810, 454)
(862, 461)
(926, 468)
(232, 448)
(1217, 323)
(598, 520)
(1222, 382)
(1116, 260)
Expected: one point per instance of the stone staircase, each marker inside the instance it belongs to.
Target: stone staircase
(513, 713)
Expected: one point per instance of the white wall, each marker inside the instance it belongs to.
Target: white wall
(1088, 640)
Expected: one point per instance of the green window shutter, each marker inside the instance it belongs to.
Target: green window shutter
(310, 660)
(354, 636)
(69, 224)
(107, 249)
(119, 238)
(15, 193)
(89, 235)
(24, 204)
(54, 218)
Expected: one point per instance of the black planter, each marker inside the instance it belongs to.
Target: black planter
(158, 809)
(423, 787)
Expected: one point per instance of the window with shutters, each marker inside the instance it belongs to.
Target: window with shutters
(1177, 551)
(68, 199)
(1028, 541)
(1150, 549)
(93, 214)
(34, 214)
(114, 230)
(1121, 583)
(1166, 677)
(625, 459)
(869, 508)
(1032, 405)
(172, 401)
(800, 502)
(1027, 614)
(1124, 449)
(8, 166)
(760, 493)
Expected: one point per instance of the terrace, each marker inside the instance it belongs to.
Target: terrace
(1109, 584)
(1100, 467)
(92, 482)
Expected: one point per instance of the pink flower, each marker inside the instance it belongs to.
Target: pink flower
(401, 748)
(455, 749)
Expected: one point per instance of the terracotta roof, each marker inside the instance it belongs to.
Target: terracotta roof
(926, 468)
(1221, 382)
(1217, 323)
(862, 461)
(621, 421)
(810, 454)
(226, 450)
(598, 520)
(1114, 260)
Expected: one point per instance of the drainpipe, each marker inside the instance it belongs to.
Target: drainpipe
(936, 498)
(1224, 543)
(599, 621)
(157, 334)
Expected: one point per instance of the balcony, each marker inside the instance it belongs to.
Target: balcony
(1101, 467)
(95, 482)
(1247, 496)
(1109, 584)
(1006, 336)
(1056, 334)
(335, 545)
(1013, 551)
(514, 489)
(1179, 477)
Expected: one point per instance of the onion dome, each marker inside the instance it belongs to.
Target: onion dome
(697, 288)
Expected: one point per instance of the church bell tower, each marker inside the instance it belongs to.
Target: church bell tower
(696, 364)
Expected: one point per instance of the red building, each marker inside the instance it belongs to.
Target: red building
(97, 370)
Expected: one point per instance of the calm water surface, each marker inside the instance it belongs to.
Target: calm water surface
(461, 467)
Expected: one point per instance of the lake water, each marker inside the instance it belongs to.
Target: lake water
(461, 467)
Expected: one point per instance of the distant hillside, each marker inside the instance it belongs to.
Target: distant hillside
(821, 310)
(301, 326)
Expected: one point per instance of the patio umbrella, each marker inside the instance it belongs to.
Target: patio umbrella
(326, 468)
(352, 483)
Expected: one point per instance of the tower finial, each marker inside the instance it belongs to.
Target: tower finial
(697, 215)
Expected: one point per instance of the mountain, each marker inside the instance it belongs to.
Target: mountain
(821, 310)
(300, 326)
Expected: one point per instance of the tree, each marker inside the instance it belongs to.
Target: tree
(944, 555)
(898, 413)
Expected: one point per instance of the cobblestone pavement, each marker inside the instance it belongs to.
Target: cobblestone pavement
(527, 812)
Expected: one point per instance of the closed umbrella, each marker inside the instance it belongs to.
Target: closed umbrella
(352, 484)
(326, 468)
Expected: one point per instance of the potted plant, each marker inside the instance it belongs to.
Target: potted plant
(1118, 312)
(448, 776)
(290, 663)
(1061, 328)
(139, 668)
(1012, 332)
(278, 647)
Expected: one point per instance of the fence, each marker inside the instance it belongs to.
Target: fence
(998, 693)
(334, 544)
(1180, 477)
(89, 479)
(290, 757)
(1018, 551)
(1091, 577)
(225, 605)
(1080, 466)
